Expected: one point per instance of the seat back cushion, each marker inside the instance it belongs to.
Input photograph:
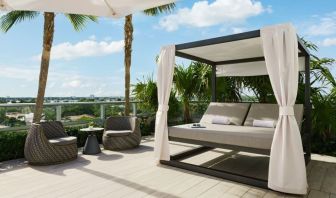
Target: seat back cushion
(118, 123)
(53, 129)
(260, 111)
(236, 112)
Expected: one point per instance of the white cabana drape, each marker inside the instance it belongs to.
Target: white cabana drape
(165, 73)
(107, 8)
(287, 171)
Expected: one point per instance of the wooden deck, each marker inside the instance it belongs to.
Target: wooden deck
(133, 173)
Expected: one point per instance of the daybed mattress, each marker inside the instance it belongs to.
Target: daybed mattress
(246, 136)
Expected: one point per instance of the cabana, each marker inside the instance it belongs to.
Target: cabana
(275, 51)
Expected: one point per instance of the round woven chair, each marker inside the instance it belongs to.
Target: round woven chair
(47, 143)
(121, 133)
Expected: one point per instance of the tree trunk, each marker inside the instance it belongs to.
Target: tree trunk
(187, 117)
(128, 28)
(48, 36)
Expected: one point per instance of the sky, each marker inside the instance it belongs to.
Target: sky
(91, 61)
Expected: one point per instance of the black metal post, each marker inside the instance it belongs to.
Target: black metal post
(308, 109)
(213, 84)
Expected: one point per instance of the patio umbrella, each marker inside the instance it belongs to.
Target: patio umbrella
(105, 8)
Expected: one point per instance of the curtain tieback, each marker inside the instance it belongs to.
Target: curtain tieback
(163, 108)
(286, 110)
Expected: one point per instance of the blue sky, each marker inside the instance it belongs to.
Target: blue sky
(91, 61)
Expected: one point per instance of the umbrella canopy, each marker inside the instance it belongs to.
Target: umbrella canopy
(105, 8)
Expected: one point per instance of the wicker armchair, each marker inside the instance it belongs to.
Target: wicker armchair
(47, 143)
(121, 133)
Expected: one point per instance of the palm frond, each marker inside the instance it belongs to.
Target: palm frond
(168, 8)
(79, 21)
(310, 45)
(8, 20)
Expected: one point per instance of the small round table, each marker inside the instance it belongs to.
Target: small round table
(91, 146)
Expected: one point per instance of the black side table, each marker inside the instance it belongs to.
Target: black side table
(91, 146)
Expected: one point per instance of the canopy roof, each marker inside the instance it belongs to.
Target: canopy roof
(107, 8)
(234, 55)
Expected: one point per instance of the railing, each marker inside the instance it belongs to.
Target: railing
(58, 110)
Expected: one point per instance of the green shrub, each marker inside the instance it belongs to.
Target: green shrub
(81, 136)
(12, 142)
(12, 145)
(147, 125)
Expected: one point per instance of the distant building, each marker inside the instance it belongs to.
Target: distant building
(92, 96)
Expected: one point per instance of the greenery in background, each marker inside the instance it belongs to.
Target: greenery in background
(12, 145)
(146, 92)
(190, 83)
(73, 110)
(323, 100)
(49, 113)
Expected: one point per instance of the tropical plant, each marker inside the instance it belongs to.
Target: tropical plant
(191, 83)
(323, 98)
(146, 92)
(228, 89)
(8, 20)
(128, 33)
(260, 87)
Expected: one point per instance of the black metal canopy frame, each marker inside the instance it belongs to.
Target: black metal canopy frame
(206, 146)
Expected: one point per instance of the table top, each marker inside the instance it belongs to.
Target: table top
(92, 129)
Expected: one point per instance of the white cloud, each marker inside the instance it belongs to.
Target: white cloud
(329, 42)
(325, 26)
(18, 73)
(86, 48)
(237, 30)
(61, 82)
(72, 84)
(205, 14)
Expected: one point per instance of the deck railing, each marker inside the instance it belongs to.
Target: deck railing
(58, 109)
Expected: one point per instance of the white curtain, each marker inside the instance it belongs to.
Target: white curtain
(287, 171)
(166, 65)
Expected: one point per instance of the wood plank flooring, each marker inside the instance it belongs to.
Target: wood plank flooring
(133, 173)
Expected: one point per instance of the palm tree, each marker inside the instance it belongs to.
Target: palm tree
(78, 22)
(191, 83)
(128, 33)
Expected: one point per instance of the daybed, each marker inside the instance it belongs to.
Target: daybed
(276, 51)
(240, 134)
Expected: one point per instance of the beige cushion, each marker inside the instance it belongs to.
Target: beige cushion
(63, 140)
(252, 137)
(118, 133)
(259, 111)
(236, 112)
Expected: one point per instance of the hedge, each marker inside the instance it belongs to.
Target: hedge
(12, 142)
(11, 145)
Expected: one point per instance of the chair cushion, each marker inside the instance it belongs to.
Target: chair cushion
(236, 112)
(252, 137)
(63, 140)
(117, 133)
(259, 111)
